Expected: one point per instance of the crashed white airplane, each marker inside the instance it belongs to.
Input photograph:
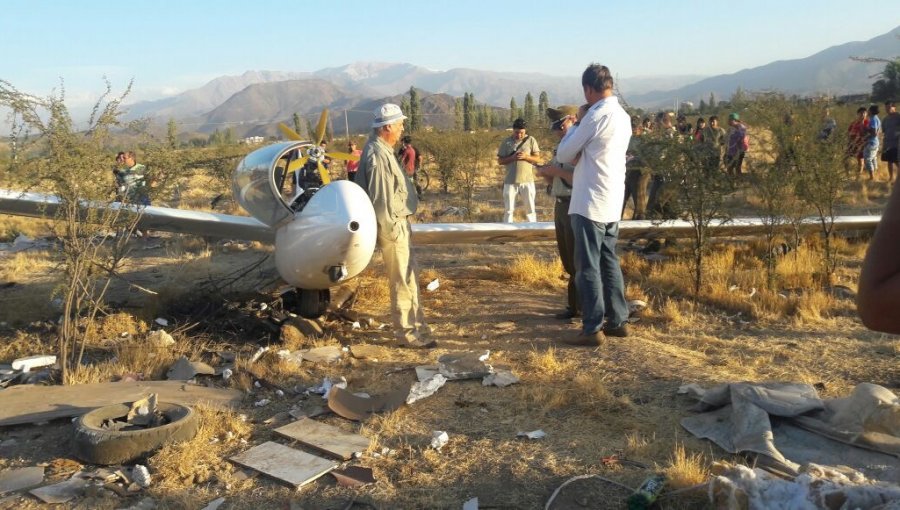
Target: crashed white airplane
(324, 233)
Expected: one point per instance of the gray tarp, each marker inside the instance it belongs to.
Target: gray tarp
(790, 425)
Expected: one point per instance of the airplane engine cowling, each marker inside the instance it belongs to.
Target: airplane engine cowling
(255, 182)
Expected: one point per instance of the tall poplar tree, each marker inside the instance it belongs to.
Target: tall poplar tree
(415, 111)
(529, 109)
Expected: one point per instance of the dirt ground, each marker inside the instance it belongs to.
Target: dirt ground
(592, 403)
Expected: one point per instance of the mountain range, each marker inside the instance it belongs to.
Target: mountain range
(254, 102)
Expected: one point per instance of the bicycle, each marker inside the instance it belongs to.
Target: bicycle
(422, 181)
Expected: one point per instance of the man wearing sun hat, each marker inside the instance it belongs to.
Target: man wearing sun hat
(394, 199)
(560, 175)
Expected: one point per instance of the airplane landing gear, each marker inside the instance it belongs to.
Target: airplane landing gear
(312, 304)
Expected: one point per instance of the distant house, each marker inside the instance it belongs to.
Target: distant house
(253, 140)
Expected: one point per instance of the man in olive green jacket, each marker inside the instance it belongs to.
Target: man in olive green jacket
(394, 199)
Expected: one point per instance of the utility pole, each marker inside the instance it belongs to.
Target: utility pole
(347, 125)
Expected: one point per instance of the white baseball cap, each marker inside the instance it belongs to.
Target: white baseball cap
(387, 113)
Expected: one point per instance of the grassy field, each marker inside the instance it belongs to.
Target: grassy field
(592, 403)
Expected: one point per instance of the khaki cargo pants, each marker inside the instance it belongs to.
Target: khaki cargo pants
(407, 313)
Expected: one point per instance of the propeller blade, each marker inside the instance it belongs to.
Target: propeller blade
(295, 164)
(320, 128)
(288, 132)
(342, 155)
(323, 173)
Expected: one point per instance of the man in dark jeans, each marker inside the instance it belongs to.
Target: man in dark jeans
(560, 177)
(598, 190)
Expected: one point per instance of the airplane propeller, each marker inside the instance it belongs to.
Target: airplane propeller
(316, 153)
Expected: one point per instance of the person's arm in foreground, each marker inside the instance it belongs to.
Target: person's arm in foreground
(879, 281)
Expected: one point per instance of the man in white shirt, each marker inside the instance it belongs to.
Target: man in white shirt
(598, 189)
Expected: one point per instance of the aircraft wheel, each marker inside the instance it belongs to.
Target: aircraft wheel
(313, 303)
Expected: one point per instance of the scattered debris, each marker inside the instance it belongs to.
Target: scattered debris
(426, 388)
(64, 491)
(636, 306)
(258, 354)
(214, 504)
(12, 480)
(262, 402)
(351, 407)
(354, 476)
(325, 438)
(471, 504)
(433, 285)
(32, 404)
(103, 436)
(439, 439)
(327, 354)
(160, 338)
(144, 412)
(185, 370)
(425, 372)
(325, 388)
(288, 465)
(162, 322)
(466, 365)
(367, 351)
(226, 374)
(736, 487)
(534, 434)
(501, 378)
(27, 363)
(141, 475)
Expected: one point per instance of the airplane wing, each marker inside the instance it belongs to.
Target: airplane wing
(167, 219)
(242, 227)
(463, 233)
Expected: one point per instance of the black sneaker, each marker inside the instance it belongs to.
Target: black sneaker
(566, 315)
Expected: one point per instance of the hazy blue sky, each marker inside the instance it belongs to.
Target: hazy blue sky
(170, 46)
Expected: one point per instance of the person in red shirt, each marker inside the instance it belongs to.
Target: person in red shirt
(352, 165)
(409, 160)
(857, 137)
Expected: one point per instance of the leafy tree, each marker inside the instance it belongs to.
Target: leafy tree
(458, 113)
(822, 180)
(543, 104)
(712, 102)
(216, 138)
(469, 111)
(702, 192)
(172, 134)
(774, 177)
(228, 136)
(529, 109)
(404, 106)
(297, 125)
(702, 107)
(415, 111)
(91, 257)
(513, 110)
(887, 87)
(310, 130)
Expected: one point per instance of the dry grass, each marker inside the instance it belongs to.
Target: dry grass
(201, 460)
(26, 263)
(686, 469)
(527, 269)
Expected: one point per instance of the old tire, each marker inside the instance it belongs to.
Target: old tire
(95, 445)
